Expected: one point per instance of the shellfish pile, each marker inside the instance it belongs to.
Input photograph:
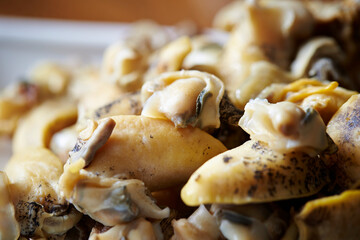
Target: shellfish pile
(249, 130)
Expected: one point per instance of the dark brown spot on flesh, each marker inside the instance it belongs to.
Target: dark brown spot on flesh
(294, 161)
(317, 174)
(348, 121)
(299, 169)
(79, 144)
(270, 174)
(272, 191)
(135, 106)
(285, 167)
(48, 201)
(132, 174)
(206, 152)
(252, 190)
(105, 109)
(197, 178)
(256, 145)
(27, 215)
(226, 159)
(258, 175)
(292, 183)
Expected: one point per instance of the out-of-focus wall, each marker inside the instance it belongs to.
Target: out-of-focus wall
(166, 12)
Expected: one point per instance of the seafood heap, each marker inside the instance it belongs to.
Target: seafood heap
(250, 131)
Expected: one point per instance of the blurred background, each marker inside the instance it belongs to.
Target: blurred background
(77, 31)
(165, 12)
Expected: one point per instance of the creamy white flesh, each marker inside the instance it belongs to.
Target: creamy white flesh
(204, 221)
(113, 201)
(34, 175)
(174, 100)
(30, 169)
(312, 50)
(202, 58)
(205, 53)
(201, 224)
(9, 227)
(110, 201)
(284, 126)
(122, 64)
(137, 229)
(63, 141)
(235, 231)
(267, 32)
(184, 97)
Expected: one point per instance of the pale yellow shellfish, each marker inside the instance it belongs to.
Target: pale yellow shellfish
(258, 171)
